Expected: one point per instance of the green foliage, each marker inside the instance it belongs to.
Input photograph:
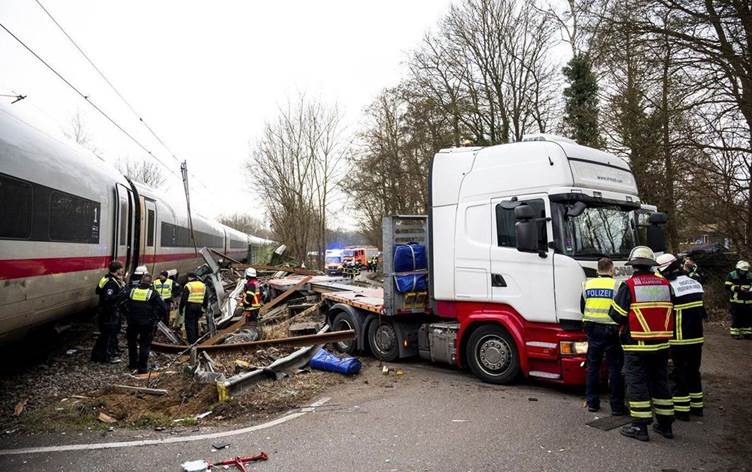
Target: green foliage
(581, 102)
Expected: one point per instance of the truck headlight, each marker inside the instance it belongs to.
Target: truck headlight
(573, 348)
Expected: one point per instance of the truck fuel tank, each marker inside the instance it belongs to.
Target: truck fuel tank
(436, 342)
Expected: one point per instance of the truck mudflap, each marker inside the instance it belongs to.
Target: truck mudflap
(546, 350)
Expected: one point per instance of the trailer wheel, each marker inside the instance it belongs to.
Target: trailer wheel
(492, 355)
(344, 321)
(383, 340)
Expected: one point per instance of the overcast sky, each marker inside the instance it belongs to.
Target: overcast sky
(206, 75)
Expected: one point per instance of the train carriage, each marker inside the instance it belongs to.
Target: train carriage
(65, 214)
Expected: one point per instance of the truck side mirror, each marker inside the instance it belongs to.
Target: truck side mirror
(655, 233)
(526, 229)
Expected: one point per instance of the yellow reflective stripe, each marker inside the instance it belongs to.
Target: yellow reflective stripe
(102, 281)
(696, 404)
(653, 305)
(678, 324)
(641, 346)
(663, 401)
(652, 334)
(619, 309)
(640, 414)
(695, 395)
(642, 404)
(641, 320)
(683, 409)
(664, 411)
(685, 306)
(686, 342)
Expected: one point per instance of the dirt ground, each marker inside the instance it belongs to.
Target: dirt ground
(60, 390)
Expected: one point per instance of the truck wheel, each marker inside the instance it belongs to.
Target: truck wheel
(344, 321)
(382, 339)
(492, 355)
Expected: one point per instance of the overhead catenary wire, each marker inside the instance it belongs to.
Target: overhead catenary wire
(88, 100)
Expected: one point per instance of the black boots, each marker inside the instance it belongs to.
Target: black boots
(639, 432)
(664, 430)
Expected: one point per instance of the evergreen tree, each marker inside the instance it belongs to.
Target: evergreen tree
(581, 97)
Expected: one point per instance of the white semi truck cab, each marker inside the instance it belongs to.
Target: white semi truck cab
(513, 232)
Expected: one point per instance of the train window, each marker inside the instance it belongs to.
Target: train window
(73, 219)
(150, 228)
(15, 211)
(123, 222)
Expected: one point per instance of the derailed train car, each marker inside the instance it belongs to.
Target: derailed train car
(65, 214)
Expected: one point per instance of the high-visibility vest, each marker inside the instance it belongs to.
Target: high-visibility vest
(164, 289)
(599, 297)
(650, 314)
(140, 294)
(103, 281)
(735, 282)
(196, 291)
(688, 311)
(252, 298)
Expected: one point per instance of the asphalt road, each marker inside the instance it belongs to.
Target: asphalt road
(433, 418)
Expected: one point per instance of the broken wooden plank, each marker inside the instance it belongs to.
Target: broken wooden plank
(293, 270)
(264, 309)
(308, 340)
(149, 391)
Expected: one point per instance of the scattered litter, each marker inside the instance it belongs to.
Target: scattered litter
(460, 421)
(149, 391)
(400, 372)
(221, 445)
(240, 462)
(385, 370)
(195, 466)
(70, 352)
(159, 428)
(105, 418)
(532, 399)
(20, 407)
(203, 415)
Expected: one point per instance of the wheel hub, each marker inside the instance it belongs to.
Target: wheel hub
(493, 354)
(385, 338)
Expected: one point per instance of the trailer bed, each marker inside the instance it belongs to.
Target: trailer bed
(337, 290)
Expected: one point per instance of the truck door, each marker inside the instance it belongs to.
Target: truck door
(522, 280)
(124, 214)
(150, 235)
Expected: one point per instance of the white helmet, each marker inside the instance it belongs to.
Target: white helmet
(665, 260)
(141, 270)
(743, 266)
(642, 256)
(250, 272)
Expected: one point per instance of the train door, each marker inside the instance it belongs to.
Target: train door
(150, 235)
(124, 218)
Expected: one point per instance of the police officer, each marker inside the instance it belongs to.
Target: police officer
(686, 346)
(166, 288)
(145, 308)
(739, 284)
(192, 303)
(603, 338)
(108, 289)
(251, 295)
(644, 310)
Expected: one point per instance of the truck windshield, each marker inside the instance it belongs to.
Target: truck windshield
(333, 260)
(599, 231)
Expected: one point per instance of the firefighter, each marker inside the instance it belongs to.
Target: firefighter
(192, 303)
(603, 338)
(644, 310)
(145, 308)
(251, 295)
(166, 288)
(693, 271)
(686, 346)
(739, 283)
(109, 290)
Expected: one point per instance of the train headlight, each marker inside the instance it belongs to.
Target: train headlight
(573, 348)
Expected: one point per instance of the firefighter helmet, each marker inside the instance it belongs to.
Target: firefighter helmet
(250, 273)
(743, 266)
(665, 261)
(642, 256)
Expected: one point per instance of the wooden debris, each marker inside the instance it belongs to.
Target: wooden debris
(300, 329)
(105, 418)
(149, 391)
(20, 407)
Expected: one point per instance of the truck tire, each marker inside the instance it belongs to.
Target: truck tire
(383, 340)
(342, 322)
(492, 355)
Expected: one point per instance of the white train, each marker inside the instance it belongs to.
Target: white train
(65, 214)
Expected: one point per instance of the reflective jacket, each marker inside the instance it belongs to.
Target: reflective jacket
(251, 296)
(644, 309)
(109, 290)
(735, 282)
(689, 310)
(598, 294)
(164, 289)
(195, 291)
(145, 306)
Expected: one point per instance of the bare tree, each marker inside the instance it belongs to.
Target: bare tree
(146, 172)
(246, 224)
(297, 165)
(78, 131)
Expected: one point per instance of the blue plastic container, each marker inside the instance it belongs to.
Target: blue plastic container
(410, 257)
(326, 361)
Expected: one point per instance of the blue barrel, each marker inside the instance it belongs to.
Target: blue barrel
(324, 360)
(409, 257)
